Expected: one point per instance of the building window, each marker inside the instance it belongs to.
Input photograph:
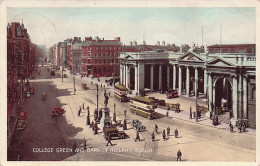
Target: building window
(242, 51)
(96, 54)
(253, 93)
(88, 60)
(225, 50)
(105, 48)
(100, 61)
(108, 61)
(101, 48)
(233, 50)
(95, 61)
(105, 54)
(110, 54)
(217, 50)
(89, 53)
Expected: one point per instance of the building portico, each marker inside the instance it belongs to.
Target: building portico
(222, 80)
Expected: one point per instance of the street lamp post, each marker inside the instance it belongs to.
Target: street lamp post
(196, 81)
(114, 116)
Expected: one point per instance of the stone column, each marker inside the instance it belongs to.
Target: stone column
(187, 81)
(180, 81)
(197, 81)
(160, 76)
(168, 76)
(121, 74)
(141, 76)
(245, 97)
(234, 97)
(128, 76)
(151, 81)
(214, 99)
(174, 76)
(210, 92)
(125, 74)
(240, 97)
(136, 77)
(205, 82)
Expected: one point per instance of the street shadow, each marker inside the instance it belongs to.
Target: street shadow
(157, 140)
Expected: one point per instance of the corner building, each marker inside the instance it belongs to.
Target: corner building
(100, 57)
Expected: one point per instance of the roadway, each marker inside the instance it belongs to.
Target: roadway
(197, 142)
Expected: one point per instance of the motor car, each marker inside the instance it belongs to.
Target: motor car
(32, 90)
(57, 111)
(138, 125)
(171, 93)
(53, 73)
(44, 96)
(84, 86)
(21, 124)
(22, 115)
(28, 94)
(114, 133)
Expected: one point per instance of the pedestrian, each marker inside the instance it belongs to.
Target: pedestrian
(153, 136)
(164, 135)
(85, 144)
(176, 133)
(168, 131)
(179, 154)
(243, 127)
(125, 113)
(101, 85)
(194, 115)
(19, 158)
(190, 113)
(83, 106)
(156, 128)
(137, 136)
(108, 93)
(74, 146)
(231, 128)
(79, 111)
(109, 140)
(167, 113)
(92, 125)
(81, 76)
(239, 126)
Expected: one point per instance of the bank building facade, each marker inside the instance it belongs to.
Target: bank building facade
(222, 74)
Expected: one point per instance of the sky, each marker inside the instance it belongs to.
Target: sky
(172, 25)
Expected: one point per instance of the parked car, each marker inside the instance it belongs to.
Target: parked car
(138, 125)
(44, 96)
(172, 93)
(22, 115)
(28, 93)
(53, 73)
(32, 90)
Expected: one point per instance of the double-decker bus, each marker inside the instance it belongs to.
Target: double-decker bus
(143, 106)
(121, 93)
